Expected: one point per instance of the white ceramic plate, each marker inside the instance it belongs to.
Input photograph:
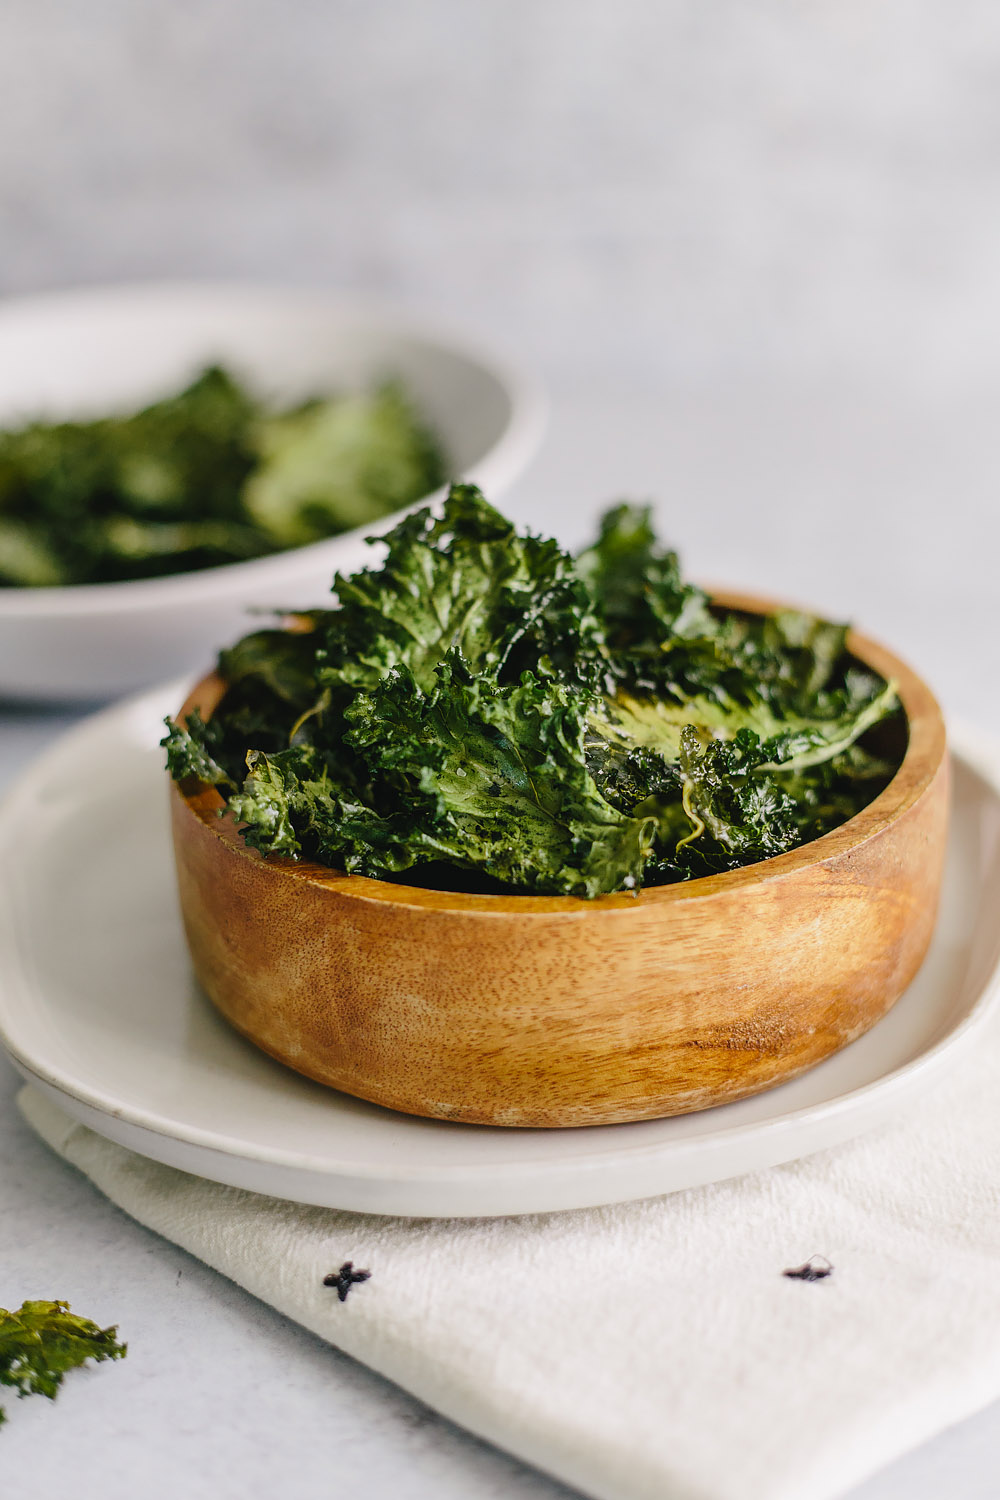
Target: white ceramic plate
(98, 1007)
(84, 353)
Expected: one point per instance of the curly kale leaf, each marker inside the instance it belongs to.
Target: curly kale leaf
(666, 641)
(271, 697)
(751, 784)
(189, 751)
(132, 496)
(796, 742)
(41, 1341)
(748, 799)
(738, 812)
(482, 704)
(280, 663)
(637, 586)
(469, 582)
(470, 773)
(276, 788)
(204, 477)
(332, 465)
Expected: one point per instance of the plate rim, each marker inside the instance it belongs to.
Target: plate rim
(976, 751)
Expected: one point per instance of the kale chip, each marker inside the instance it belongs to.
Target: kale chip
(41, 1341)
(484, 711)
(204, 477)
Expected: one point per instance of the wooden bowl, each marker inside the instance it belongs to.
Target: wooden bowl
(553, 1011)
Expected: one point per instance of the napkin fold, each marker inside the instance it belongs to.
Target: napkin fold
(654, 1350)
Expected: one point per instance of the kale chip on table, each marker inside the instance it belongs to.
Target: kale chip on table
(40, 1342)
(485, 712)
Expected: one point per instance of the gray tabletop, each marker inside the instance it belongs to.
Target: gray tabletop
(883, 513)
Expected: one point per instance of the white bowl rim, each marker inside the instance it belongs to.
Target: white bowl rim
(514, 448)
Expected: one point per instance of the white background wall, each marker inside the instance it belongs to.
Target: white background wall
(645, 186)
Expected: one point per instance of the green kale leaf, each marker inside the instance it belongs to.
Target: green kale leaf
(189, 754)
(204, 477)
(637, 584)
(483, 712)
(465, 582)
(331, 465)
(471, 774)
(41, 1341)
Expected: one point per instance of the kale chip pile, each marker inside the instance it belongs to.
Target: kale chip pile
(204, 477)
(486, 712)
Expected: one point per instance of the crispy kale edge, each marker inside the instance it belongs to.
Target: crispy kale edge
(484, 702)
(42, 1341)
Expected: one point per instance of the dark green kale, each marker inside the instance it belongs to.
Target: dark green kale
(41, 1341)
(482, 703)
(642, 598)
(470, 773)
(469, 583)
(207, 476)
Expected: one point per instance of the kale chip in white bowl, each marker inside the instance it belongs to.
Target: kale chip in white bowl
(172, 456)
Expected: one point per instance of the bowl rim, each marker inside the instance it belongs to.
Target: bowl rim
(922, 761)
(514, 448)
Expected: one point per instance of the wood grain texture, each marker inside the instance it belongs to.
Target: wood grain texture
(553, 1011)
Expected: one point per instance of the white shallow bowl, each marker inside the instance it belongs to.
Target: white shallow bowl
(84, 353)
(99, 1009)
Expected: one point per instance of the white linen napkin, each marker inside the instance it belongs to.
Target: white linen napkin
(655, 1350)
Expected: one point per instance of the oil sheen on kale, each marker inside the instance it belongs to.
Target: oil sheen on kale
(485, 712)
(204, 477)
